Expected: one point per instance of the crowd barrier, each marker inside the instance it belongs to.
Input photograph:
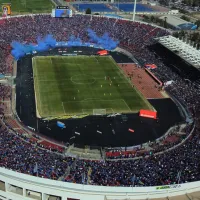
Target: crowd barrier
(78, 43)
(154, 77)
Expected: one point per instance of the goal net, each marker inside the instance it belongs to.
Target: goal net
(99, 111)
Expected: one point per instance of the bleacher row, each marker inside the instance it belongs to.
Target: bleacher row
(142, 151)
(14, 125)
(121, 7)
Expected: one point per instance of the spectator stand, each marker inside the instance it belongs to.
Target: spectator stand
(96, 7)
(22, 156)
(175, 134)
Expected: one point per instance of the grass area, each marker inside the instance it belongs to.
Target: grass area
(29, 6)
(78, 85)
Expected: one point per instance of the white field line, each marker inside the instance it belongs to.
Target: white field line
(100, 100)
(96, 59)
(63, 108)
(78, 75)
(94, 100)
(36, 89)
(39, 96)
(130, 83)
(51, 61)
(127, 105)
(112, 110)
(83, 110)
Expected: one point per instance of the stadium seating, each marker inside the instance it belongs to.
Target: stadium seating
(21, 153)
(93, 7)
(128, 7)
(122, 7)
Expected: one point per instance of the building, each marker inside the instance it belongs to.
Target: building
(178, 23)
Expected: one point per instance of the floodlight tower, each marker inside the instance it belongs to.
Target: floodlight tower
(134, 10)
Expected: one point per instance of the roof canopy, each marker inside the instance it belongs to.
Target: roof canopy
(184, 50)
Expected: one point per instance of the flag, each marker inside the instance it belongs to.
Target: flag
(168, 83)
(83, 178)
(178, 176)
(150, 66)
(140, 182)
(133, 179)
(35, 170)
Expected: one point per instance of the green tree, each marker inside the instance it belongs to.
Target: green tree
(182, 33)
(88, 11)
(165, 23)
(146, 17)
(197, 23)
(152, 18)
(194, 37)
(175, 34)
(185, 18)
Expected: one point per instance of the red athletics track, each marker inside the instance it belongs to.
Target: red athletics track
(142, 81)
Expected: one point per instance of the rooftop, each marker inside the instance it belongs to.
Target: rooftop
(177, 22)
(184, 50)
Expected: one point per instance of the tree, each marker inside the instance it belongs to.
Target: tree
(194, 37)
(88, 11)
(175, 34)
(152, 18)
(197, 23)
(185, 18)
(183, 11)
(159, 21)
(182, 33)
(145, 17)
(165, 22)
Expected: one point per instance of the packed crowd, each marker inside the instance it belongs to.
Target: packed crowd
(19, 154)
(171, 140)
(5, 92)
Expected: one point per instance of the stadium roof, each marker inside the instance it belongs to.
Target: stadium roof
(185, 51)
(178, 22)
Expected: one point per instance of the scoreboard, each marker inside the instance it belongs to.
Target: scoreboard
(6, 9)
(62, 12)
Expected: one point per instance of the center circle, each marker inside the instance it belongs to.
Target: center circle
(82, 79)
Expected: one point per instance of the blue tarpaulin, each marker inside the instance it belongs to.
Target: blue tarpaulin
(60, 124)
(2, 76)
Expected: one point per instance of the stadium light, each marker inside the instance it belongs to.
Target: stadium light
(134, 10)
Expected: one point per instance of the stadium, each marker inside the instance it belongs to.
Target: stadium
(96, 107)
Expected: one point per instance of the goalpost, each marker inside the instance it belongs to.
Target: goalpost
(99, 111)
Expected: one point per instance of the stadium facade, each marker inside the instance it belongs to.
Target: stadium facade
(16, 186)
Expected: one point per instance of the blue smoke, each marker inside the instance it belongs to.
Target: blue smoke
(105, 41)
(43, 44)
(73, 41)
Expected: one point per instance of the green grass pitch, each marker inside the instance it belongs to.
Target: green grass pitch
(76, 85)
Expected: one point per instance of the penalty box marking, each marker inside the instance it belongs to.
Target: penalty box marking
(83, 110)
(126, 105)
(67, 79)
(87, 100)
